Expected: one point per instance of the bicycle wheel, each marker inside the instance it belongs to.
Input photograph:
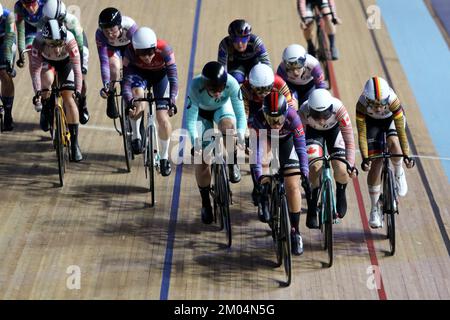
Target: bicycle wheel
(286, 239)
(2, 124)
(275, 210)
(328, 214)
(59, 146)
(224, 196)
(125, 127)
(389, 210)
(150, 164)
(215, 195)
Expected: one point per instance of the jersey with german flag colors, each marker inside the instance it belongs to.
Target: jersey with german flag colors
(393, 110)
(340, 116)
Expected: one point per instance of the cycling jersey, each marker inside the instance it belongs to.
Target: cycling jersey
(41, 53)
(339, 117)
(253, 102)
(7, 38)
(393, 110)
(27, 24)
(311, 75)
(305, 8)
(292, 129)
(107, 48)
(200, 100)
(164, 60)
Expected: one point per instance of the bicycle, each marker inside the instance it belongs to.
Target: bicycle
(59, 130)
(221, 192)
(279, 221)
(326, 202)
(125, 126)
(323, 48)
(388, 199)
(2, 107)
(150, 143)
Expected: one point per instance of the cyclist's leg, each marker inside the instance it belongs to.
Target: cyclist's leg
(138, 85)
(66, 77)
(7, 91)
(47, 78)
(83, 109)
(336, 147)
(237, 70)
(226, 120)
(330, 28)
(115, 66)
(314, 149)
(308, 31)
(399, 173)
(162, 90)
(374, 142)
(203, 175)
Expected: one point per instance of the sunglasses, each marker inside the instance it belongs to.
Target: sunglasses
(325, 115)
(296, 64)
(279, 120)
(241, 39)
(377, 103)
(29, 3)
(145, 52)
(262, 90)
(55, 43)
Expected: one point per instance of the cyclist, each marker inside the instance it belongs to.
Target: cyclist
(301, 71)
(379, 111)
(327, 121)
(151, 62)
(55, 51)
(306, 9)
(214, 96)
(276, 120)
(241, 50)
(7, 72)
(260, 83)
(28, 15)
(112, 37)
(56, 9)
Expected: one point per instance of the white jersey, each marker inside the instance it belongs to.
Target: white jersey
(124, 39)
(339, 112)
(386, 113)
(305, 77)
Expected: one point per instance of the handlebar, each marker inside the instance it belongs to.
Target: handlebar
(386, 155)
(328, 158)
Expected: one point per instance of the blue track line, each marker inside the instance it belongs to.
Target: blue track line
(167, 269)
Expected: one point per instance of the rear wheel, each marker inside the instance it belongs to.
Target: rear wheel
(59, 146)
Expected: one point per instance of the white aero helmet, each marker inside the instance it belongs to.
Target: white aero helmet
(294, 56)
(320, 103)
(377, 91)
(54, 9)
(144, 38)
(261, 77)
(1, 12)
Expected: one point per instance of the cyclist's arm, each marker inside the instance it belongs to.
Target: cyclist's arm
(20, 25)
(318, 75)
(36, 66)
(262, 54)
(222, 55)
(192, 117)
(299, 141)
(74, 26)
(172, 73)
(238, 107)
(347, 134)
(128, 71)
(362, 130)
(399, 120)
(246, 95)
(102, 49)
(132, 30)
(75, 58)
(283, 89)
(301, 9)
(9, 39)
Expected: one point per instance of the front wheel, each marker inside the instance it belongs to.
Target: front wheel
(150, 165)
(59, 146)
(286, 240)
(126, 135)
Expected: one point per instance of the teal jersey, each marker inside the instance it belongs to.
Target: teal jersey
(199, 98)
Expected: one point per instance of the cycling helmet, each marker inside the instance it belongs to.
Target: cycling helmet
(294, 56)
(54, 9)
(144, 38)
(215, 76)
(54, 31)
(1, 12)
(28, 2)
(275, 108)
(377, 92)
(261, 78)
(239, 28)
(109, 18)
(320, 104)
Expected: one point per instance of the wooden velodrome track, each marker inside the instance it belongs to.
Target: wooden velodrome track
(101, 222)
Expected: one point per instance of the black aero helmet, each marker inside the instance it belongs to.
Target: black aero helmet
(109, 18)
(275, 108)
(215, 76)
(239, 28)
(54, 30)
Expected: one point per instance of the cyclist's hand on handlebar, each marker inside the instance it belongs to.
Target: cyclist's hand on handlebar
(104, 92)
(365, 165)
(37, 102)
(263, 180)
(77, 96)
(352, 172)
(303, 25)
(336, 20)
(410, 163)
(10, 70)
(172, 108)
(306, 184)
(20, 63)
